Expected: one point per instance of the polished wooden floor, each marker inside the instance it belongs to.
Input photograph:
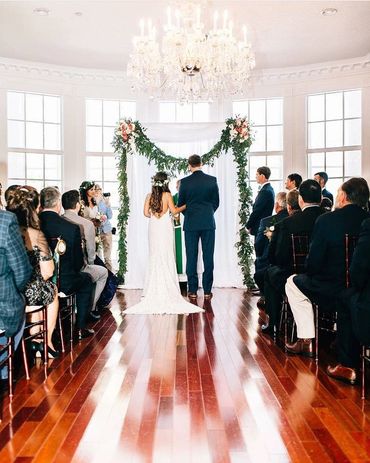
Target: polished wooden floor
(198, 388)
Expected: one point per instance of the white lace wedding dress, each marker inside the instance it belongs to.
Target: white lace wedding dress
(161, 291)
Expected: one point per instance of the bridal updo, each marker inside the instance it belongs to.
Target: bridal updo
(160, 183)
(22, 203)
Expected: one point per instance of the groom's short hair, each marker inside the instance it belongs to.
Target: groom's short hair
(195, 160)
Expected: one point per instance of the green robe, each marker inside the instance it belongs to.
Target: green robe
(178, 241)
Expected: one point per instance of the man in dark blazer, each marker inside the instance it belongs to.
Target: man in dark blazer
(281, 252)
(199, 192)
(15, 271)
(264, 202)
(71, 277)
(322, 178)
(354, 311)
(325, 270)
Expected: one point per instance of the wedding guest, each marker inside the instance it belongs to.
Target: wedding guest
(88, 200)
(15, 271)
(292, 202)
(9, 190)
(40, 290)
(293, 182)
(281, 252)
(322, 178)
(105, 210)
(98, 274)
(264, 202)
(325, 277)
(72, 279)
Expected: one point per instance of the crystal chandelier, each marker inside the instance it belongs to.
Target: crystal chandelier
(191, 64)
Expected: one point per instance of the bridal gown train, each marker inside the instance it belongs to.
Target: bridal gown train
(161, 291)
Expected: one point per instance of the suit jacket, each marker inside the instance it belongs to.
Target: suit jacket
(199, 192)
(262, 207)
(54, 226)
(261, 243)
(325, 276)
(87, 231)
(326, 194)
(15, 271)
(360, 280)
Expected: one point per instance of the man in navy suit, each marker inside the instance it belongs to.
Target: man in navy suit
(264, 203)
(322, 178)
(199, 192)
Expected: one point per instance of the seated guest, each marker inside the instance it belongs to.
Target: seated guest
(322, 178)
(99, 274)
(354, 312)
(9, 190)
(281, 252)
(292, 202)
(264, 234)
(72, 279)
(293, 182)
(23, 202)
(15, 271)
(264, 202)
(325, 277)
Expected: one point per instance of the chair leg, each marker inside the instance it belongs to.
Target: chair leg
(61, 333)
(294, 326)
(316, 309)
(25, 362)
(363, 373)
(285, 309)
(45, 337)
(73, 308)
(10, 366)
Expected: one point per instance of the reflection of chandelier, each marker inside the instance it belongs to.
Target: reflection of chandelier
(193, 64)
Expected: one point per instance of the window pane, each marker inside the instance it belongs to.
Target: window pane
(316, 108)
(34, 135)
(128, 109)
(316, 163)
(16, 165)
(110, 169)
(334, 134)
(240, 108)
(275, 111)
(254, 163)
(94, 139)
(15, 134)
(15, 105)
(352, 132)
(200, 112)
(52, 109)
(38, 184)
(257, 112)
(334, 164)
(35, 166)
(275, 138)
(54, 183)
(167, 112)
(34, 107)
(53, 166)
(110, 113)
(316, 135)
(276, 165)
(333, 185)
(108, 134)
(352, 164)
(184, 112)
(334, 105)
(52, 136)
(94, 112)
(277, 186)
(352, 104)
(94, 168)
(259, 143)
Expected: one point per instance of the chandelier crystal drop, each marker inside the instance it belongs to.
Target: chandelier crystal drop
(191, 64)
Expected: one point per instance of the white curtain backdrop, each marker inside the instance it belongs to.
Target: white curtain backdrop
(183, 140)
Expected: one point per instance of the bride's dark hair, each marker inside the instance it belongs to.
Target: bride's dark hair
(160, 183)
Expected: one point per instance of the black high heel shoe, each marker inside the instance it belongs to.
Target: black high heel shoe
(53, 354)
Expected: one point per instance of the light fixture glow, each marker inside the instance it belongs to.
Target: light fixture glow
(41, 11)
(329, 11)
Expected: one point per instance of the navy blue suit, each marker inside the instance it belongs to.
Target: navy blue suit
(326, 194)
(199, 192)
(262, 207)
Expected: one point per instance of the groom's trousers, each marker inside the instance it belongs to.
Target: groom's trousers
(207, 238)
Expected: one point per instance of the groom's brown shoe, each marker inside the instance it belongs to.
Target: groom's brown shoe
(192, 296)
(208, 297)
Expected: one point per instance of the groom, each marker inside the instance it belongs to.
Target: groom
(199, 192)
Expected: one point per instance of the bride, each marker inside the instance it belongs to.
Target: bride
(161, 291)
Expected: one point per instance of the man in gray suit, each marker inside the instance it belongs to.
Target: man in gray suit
(99, 274)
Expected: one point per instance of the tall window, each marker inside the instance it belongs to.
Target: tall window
(35, 152)
(169, 111)
(334, 135)
(101, 119)
(266, 117)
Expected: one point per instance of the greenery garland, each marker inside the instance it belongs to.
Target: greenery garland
(130, 138)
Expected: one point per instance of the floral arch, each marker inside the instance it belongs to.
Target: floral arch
(130, 138)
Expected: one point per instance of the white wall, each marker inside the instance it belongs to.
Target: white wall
(74, 85)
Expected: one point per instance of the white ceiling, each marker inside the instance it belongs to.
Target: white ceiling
(283, 33)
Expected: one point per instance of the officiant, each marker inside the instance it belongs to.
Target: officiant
(179, 240)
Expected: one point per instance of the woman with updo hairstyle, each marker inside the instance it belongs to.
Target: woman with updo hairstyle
(24, 203)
